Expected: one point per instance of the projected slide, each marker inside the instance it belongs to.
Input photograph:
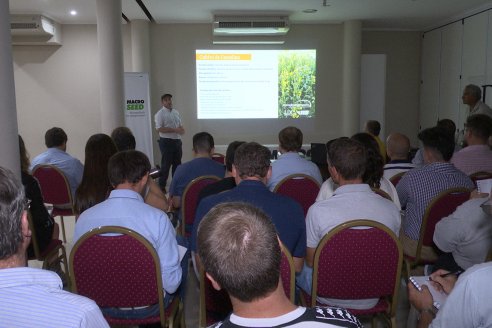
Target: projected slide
(235, 84)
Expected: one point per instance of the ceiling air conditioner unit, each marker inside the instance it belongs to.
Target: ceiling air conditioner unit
(239, 25)
(34, 30)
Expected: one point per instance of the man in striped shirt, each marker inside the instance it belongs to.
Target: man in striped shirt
(477, 156)
(32, 297)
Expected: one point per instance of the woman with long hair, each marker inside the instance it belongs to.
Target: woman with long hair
(44, 225)
(95, 186)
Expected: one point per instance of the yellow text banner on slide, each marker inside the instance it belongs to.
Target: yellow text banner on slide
(223, 56)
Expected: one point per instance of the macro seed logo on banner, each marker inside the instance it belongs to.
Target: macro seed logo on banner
(137, 111)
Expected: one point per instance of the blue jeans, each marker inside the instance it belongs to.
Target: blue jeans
(153, 310)
(304, 279)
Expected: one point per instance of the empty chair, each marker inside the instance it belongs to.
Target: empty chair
(52, 256)
(56, 191)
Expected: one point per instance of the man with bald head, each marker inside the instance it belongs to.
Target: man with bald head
(397, 148)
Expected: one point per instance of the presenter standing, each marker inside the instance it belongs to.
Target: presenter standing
(168, 125)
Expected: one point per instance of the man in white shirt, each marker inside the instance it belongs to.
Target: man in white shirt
(471, 97)
(468, 304)
(352, 200)
(240, 252)
(32, 297)
(168, 125)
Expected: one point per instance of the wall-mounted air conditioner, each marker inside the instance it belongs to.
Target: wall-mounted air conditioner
(34, 30)
(238, 25)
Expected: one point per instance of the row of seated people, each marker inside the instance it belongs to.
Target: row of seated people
(263, 178)
(231, 238)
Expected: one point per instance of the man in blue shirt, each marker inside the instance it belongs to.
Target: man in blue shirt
(252, 170)
(56, 155)
(290, 162)
(32, 297)
(202, 164)
(128, 173)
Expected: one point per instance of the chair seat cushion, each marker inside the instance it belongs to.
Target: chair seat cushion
(62, 212)
(54, 244)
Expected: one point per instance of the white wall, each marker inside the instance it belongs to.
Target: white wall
(454, 56)
(402, 50)
(58, 86)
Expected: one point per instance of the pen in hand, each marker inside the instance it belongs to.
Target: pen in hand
(456, 273)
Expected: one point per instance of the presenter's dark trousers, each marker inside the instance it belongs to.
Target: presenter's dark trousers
(171, 157)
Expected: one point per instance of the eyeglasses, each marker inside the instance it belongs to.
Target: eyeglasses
(27, 204)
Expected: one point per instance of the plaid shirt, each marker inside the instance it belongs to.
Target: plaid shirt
(419, 186)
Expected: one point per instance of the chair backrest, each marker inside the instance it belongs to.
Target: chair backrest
(189, 201)
(34, 238)
(121, 269)
(396, 178)
(300, 187)
(359, 263)
(54, 185)
(440, 206)
(482, 175)
(215, 305)
(288, 274)
(218, 158)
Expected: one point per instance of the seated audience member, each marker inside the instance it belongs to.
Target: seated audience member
(45, 226)
(128, 173)
(468, 304)
(95, 186)
(228, 182)
(56, 155)
(465, 236)
(290, 162)
(476, 156)
(352, 200)
(398, 149)
(123, 138)
(240, 252)
(251, 170)
(419, 186)
(374, 128)
(32, 297)
(448, 127)
(471, 97)
(373, 174)
(202, 164)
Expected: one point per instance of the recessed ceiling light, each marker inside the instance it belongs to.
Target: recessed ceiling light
(309, 11)
(73, 12)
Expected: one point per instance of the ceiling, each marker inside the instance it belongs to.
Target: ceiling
(378, 14)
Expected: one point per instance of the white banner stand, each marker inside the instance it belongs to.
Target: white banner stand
(137, 111)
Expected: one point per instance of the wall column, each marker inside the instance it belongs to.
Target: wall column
(8, 113)
(352, 43)
(140, 45)
(109, 39)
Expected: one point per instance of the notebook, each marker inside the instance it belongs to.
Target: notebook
(439, 297)
(484, 185)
